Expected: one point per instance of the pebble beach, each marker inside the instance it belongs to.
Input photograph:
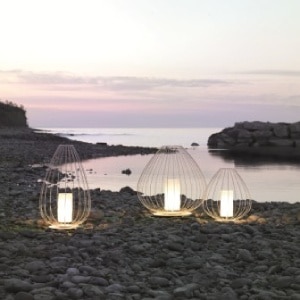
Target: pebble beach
(122, 252)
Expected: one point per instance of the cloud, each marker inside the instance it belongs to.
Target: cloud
(66, 80)
(132, 101)
(137, 83)
(59, 89)
(273, 72)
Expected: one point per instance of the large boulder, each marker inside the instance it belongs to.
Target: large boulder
(257, 135)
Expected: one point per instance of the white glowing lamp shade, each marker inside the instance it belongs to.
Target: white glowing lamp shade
(65, 208)
(172, 183)
(172, 195)
(227, 197)
(65, 201)
(226, 204)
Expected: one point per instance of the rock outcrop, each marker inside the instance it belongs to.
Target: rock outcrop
(12, 115)
(257, 134)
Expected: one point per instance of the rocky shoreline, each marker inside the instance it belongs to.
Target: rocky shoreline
(122, 252)
(265, 139)
(26, 146)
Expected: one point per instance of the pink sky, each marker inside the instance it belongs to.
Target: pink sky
(57, 99)
(140, 63)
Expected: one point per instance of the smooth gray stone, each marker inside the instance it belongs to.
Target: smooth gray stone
(245, 255)
(92, 290)
(115, 288)
(23, 296)
(80, 279)
(35, 266)
(73, 271)
(44, 297)
(75, 293)
(185, 292)
(282, 282)
(159, 281)
(17, 285)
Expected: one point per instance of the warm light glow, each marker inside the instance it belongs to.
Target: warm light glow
(65, 208)
(226, 205)
(172, 195)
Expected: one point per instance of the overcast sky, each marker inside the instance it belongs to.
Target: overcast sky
(142, 63)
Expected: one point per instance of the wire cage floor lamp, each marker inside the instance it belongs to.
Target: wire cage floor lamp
(172, 183)
(65, 200)
(227, 197)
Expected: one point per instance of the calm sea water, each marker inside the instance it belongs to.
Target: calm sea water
(266, 180)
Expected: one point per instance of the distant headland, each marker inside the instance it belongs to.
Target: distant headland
(259, 138)
(12, 115)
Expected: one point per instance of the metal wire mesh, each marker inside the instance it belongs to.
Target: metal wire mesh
(227, 196)
(65, 200)
(172, 183)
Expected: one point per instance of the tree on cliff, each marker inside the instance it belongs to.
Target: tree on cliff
(12, 115)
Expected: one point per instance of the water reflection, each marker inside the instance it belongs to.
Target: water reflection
(256, 159)
(266, 180)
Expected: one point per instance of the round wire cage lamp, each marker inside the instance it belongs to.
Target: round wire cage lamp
(65, 200)
(227, 197)
(172, 183)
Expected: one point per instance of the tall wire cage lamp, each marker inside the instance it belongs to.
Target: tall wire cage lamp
(172, 183)
(65, 200)
(227, 197)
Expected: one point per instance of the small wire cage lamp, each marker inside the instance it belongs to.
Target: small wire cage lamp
(227, 197)
(65, 200)
(172, 183)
